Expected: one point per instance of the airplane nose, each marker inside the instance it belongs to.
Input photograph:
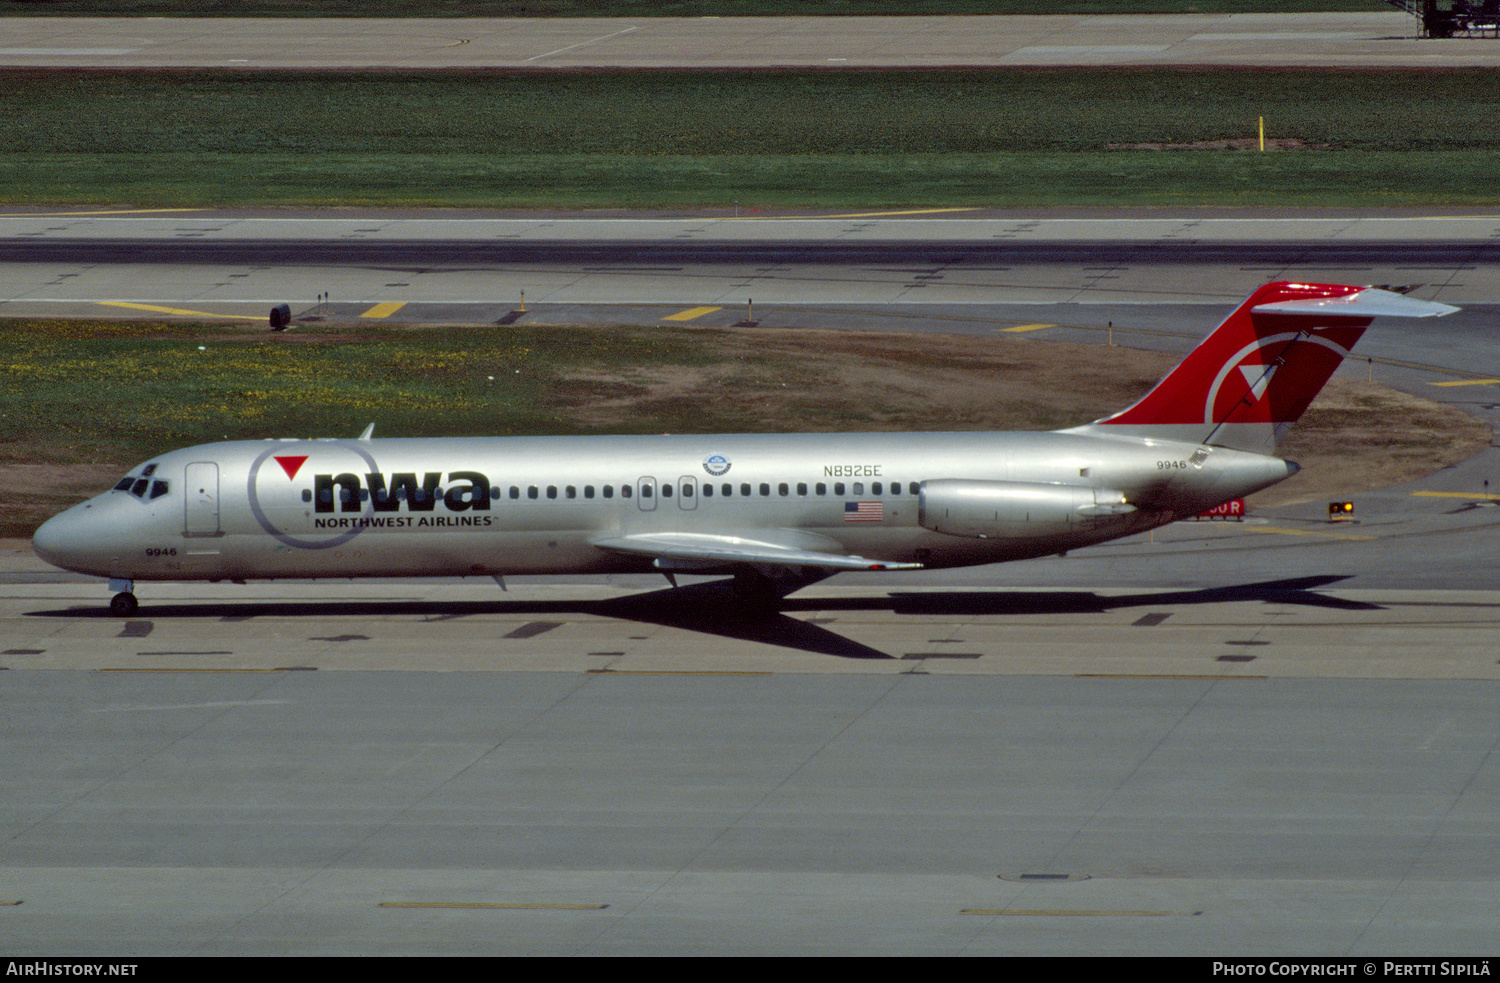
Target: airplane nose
(56, 540)
(85, 539)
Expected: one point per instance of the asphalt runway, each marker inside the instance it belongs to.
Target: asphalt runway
(1382, 38)
(1267, 737)
(1274, 737)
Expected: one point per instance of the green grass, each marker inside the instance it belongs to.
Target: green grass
(841, 182)
(664, 139)
(651, 8)
(120, 391)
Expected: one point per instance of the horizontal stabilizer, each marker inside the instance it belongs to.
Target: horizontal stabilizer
(681, 550)
(1370, 302)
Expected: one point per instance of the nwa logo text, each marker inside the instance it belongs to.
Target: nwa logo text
(464, 491)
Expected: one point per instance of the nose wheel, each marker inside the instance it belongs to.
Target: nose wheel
(123, 604)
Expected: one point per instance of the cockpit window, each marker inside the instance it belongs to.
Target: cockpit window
(148, 471)
(144, 487)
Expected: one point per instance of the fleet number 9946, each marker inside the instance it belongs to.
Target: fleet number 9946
(162, 551)
(1171, 465)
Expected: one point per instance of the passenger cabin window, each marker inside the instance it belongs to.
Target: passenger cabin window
(708, 490)
(726, 489)
(765, 489)
(609, 491)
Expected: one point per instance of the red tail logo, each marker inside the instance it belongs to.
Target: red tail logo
(1250, 380)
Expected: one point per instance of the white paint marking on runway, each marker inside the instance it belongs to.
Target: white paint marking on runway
(582, 44)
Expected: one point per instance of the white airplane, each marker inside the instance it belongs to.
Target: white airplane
(778, 511)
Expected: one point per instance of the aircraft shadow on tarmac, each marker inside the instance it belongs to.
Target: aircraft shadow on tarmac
(712, 609)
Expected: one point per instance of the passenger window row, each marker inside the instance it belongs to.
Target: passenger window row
(725, 490)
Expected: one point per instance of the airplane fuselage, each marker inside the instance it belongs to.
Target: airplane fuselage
(495, 506)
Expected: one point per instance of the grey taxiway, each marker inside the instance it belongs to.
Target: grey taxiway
(1268, 737)
(1274, 737)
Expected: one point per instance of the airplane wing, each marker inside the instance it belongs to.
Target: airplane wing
(704, 551)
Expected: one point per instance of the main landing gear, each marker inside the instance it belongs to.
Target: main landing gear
(123, 604)
(760, 591)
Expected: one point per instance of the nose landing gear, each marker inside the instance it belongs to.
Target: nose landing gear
(123, 604)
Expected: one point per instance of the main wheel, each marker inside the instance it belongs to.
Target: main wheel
(124, 605)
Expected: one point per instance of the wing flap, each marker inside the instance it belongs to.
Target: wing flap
(687, 551)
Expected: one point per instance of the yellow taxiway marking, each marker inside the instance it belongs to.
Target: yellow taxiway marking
(1469, 382)
(909, 211)
(1045, 912)
(1025, 327)
(691, 313)
(169, 310)
(486, 904)
(1276, 530)
(127, 211)
(170, 669)
(675, 672)
(384, 310)
(1217, 677)
(1469, 495)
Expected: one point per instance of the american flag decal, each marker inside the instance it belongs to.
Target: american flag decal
(864, 511)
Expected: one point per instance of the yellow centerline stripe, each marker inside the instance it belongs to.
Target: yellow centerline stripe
(674, 672)
(183, 669)
(384, 310)
(1467, 382)
(169, 310)
(1306, 532)
(126, 211)
(1126, 912)
(691, 313)
(488, 904)
(1025, 327)
(910, 211)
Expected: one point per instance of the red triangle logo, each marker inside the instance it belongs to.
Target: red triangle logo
(291, 465)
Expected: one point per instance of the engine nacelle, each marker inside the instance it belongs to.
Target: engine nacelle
(1016, 509)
